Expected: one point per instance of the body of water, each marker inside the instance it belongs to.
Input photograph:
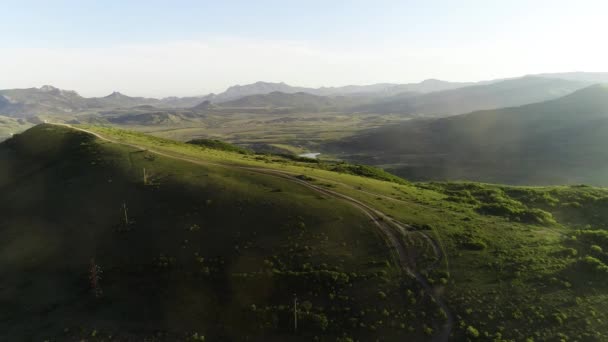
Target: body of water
(312, 155)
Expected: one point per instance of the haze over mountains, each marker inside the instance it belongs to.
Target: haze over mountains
(516, 145)
(430, 97)
(562, 141)
(506, 93)
(380, 89)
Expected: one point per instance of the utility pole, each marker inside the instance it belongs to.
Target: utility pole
(124, 207)
(295, 313)
(145, 177)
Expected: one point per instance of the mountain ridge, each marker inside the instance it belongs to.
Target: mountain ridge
(429, 97)
(513, 145)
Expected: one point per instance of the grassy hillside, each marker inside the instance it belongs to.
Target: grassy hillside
(203, 249)
(555, 142)
(212, 246)
(9, 126)
(513, 92)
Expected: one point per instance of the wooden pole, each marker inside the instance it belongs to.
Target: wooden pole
(145, 177)
(295, 313)
(124, 207)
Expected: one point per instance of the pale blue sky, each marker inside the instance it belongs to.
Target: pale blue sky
(158, 48)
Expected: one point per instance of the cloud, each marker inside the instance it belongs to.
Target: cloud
(199, 67)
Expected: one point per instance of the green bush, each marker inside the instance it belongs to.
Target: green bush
(472, 332)
(219, 145)
(366, 171)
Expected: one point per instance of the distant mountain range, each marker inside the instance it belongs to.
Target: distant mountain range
(50, 100)
(427, 98)
(593, 77)
(562, 141)
(380, 89)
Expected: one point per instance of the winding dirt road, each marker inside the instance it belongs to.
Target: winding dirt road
(391, 229)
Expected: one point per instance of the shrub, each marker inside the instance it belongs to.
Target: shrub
(593, 264)
(344, 339)
(367, 171)
(472, 332)
(314, 321)
(596, 249)
(593, 237)
(517, 213)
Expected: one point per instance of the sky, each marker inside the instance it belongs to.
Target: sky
(183, 48)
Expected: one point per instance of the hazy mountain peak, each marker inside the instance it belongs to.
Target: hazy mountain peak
(116, 94)
(49, 88)
(432, 81)
(203, 105)
(56, 91)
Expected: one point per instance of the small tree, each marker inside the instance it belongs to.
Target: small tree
(95, 272)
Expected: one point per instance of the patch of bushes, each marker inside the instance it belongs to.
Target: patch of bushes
(366, 171)
(593, 237)
(219, 145)
(593, 265)
(525, 215)
(298, 158)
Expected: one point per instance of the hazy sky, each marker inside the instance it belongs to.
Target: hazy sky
(161, 48)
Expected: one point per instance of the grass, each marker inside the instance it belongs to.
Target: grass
(530, 268)
(206, 249)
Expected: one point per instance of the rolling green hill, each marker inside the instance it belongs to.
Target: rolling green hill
(202, 248)
(556, 142)
(216, 243)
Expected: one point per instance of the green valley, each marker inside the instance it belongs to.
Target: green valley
(556, 142)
